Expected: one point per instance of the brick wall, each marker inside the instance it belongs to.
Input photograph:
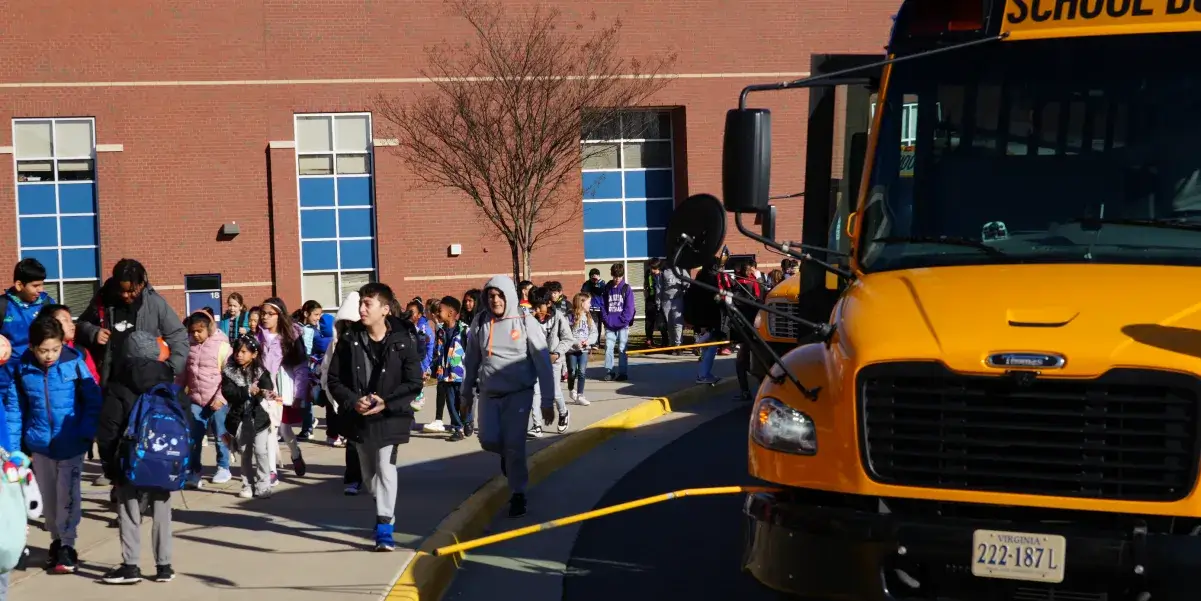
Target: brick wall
(197, 156)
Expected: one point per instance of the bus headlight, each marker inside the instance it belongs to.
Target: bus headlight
(758, 320)
(778, 427)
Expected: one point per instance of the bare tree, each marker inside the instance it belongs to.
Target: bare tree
(507, 110)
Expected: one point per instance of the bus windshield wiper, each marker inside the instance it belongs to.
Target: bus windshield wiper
(947, 240)
(1095, 223)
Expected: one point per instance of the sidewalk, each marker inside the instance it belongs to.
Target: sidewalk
(309, 541)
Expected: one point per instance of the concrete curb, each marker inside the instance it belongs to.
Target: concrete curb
(427, 578)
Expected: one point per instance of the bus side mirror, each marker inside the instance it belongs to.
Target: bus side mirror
(766, 221)
(746, 161)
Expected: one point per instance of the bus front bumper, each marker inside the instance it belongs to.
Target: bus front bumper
(832, 553)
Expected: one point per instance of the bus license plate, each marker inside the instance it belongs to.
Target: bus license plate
(1018, 555)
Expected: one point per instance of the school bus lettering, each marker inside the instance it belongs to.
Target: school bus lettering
(1056, 18)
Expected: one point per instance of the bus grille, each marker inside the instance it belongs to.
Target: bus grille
(779, 327)
(1131, 434)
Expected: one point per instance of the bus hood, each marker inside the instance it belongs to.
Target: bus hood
(1095, 316)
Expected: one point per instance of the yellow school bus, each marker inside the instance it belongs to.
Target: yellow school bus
(1007, 405)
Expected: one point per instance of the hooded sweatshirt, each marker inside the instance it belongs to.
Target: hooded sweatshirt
(558, 332)
(618, 310)
(349, 313)
(508, 353)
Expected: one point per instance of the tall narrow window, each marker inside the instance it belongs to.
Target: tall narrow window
(337, 205)
(56, 204)
(629, 194)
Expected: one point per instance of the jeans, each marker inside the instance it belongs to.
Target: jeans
(450, 394)
(708, 356)
(577, 364)
(621, 339)
(201, 418)
(306, 425)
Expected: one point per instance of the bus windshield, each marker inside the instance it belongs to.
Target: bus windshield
(1054, 151)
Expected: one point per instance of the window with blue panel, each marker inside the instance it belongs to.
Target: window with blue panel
(628, 190)
(337, 204)
(56, 204)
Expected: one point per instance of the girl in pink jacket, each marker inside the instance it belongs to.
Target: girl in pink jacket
(201, 379)
(286, 360)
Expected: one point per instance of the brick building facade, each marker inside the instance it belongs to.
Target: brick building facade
(148, 129)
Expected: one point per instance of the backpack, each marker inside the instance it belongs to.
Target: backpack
(157, 441)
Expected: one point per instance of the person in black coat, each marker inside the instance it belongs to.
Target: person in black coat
(246, 385)
(374, 376)
(136, 372)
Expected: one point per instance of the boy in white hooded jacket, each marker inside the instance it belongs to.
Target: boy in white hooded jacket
(558, 342)
(506, 352)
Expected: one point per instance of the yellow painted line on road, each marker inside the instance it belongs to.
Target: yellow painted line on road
(427, 577)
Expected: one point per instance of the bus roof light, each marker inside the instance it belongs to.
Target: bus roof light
(932, 17)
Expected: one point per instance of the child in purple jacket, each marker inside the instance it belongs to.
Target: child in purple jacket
(617, 313)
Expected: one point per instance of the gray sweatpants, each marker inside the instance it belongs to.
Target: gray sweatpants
(503, 424)
(671, 320)
(379, 473)
(255, 449)
(560, 404)
(62, 499)
(129, 521)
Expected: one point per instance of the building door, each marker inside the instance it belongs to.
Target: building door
(203, 291)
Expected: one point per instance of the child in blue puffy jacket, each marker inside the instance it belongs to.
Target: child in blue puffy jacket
(54, 406)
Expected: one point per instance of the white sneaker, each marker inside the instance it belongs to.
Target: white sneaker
(222, 476)
(434, 427)
(535, 432)
(571, 395)
(246, 493)
(579, 399)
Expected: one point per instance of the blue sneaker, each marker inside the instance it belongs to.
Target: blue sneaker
(383, 538)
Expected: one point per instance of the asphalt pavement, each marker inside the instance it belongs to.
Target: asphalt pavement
(679, 549)
(689, 548)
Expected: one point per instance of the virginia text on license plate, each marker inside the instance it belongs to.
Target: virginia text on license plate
(1018, 555)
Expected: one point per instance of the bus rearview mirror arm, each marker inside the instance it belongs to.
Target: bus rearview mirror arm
(786, 249)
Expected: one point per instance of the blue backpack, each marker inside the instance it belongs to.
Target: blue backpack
(158, 441)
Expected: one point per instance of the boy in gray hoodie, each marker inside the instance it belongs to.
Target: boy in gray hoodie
(558, 341)
(506, 357)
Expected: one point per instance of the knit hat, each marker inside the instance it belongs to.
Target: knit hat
(142, 345)
(349, 311)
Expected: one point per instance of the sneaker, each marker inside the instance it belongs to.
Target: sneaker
(195, 482)
(246, 492)
(222, 476)
(101, 480)
(67, 561)
(23, 561)
(564, 421)
(708, 380)
(609, 377)
(517, 505)
(123, 574)
(52, 553)
(204, 442)
(469, 429)
(535, 432)
(622, 378)
(744, 397)
(274, 479)
(351, 489)
(582, 400)
(571, 394)
(434, 427)
(164, 573)
(455, 436)
(383, 538)
(300, 467)
(304, 436)
(337, 442)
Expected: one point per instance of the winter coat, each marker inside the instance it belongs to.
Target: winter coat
(232, 326)
(136, 377)
(273, 357)
(427, 329)
(235, 387)
(57, 409)
(597, 291)
(17, 318)
(202, 371)
(618, 310)
(449, 353)
(87, 359)
(154, 316)
(400, 380)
